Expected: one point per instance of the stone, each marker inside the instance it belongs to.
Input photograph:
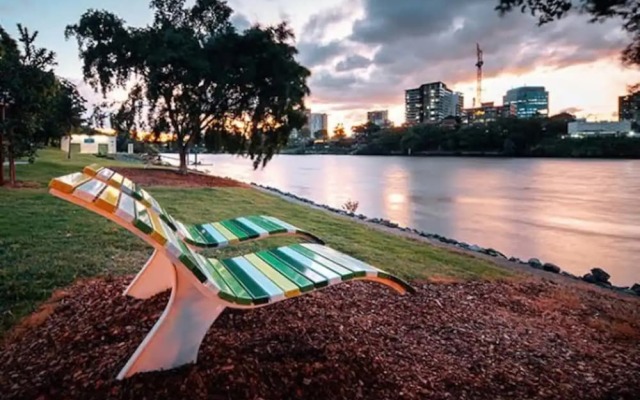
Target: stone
(551, 268)
(535, 263)
(600, 275)
(475, 247)
(589, 278)
(636, 288)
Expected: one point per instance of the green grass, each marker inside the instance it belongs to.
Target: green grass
(47, 243)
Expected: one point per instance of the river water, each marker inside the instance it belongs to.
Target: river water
(577, 214)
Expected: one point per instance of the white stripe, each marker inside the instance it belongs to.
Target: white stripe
(263, 232)
(260, 278)
(90, 190)
(216, 235)
(318, 268)
(290, 228)
(182, 230)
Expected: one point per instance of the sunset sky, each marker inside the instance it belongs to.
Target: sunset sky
(363, 54)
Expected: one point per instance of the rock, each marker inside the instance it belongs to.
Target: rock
(589, 278)
(600, 275)
(475, 247)
(551, 268)
(636, 288)
(535, 263)
(569, 275)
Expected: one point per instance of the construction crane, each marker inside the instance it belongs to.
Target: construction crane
(479, 65)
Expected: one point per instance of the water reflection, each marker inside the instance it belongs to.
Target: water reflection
(575, 213)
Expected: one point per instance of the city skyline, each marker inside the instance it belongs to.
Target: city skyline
(363, 54)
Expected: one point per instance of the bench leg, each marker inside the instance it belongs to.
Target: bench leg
(153, 278)
(176, 337)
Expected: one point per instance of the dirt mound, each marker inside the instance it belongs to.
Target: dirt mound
(358, 340)
(167, 177)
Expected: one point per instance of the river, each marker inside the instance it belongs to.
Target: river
(577, 214)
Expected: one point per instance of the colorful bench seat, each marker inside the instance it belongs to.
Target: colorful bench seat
(212, 234)
(201, 288)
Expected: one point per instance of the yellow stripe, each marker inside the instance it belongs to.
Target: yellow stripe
(158, 233)
(108, 200)
(92, 169)
(289, 289)
(225, 232)
(68, 183)
(126, 182)
(116, 180)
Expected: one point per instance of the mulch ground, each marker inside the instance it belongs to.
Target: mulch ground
(477, 340)
(165, 177)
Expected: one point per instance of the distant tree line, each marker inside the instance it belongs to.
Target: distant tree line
(505, 137)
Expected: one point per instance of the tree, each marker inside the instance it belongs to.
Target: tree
(322, 134)
(628, 11)
(338, 132)
(365, 130)
(195, 75)
(26, 76)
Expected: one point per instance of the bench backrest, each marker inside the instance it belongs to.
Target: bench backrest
(90, 192)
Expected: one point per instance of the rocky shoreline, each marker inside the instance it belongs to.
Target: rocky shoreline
(597, 276)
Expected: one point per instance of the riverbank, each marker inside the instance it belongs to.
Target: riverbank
(474, 329)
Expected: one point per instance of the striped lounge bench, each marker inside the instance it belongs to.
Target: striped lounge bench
(201, 288)
(212, 234)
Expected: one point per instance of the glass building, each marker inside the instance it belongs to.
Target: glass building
(530, 101)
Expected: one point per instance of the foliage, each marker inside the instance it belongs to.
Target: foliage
(26, 77)
(338, 132)
(351, 206)
(322, 134)
(195, 75)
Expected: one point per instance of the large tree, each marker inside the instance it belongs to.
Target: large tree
(628, 11)
(26, 76)
(195, 75)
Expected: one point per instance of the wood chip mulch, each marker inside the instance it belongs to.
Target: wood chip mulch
(477, 340)
(168, 177)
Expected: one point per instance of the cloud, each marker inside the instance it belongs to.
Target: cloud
(416, 41)
(352, 62)
(312, 54)
(317, 24)
(240, 22)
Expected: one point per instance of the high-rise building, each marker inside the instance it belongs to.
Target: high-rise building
(629, 107)
(487, 112)
(317, 122)
(378, 117)
(530, 101)
(432, 102)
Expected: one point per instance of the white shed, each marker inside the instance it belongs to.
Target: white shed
(90, 144)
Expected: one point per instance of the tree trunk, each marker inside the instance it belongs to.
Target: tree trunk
(69, 149)
(1, 158)
(12, 165)
(184, 152)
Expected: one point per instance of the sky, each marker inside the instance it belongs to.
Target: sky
(363, 54)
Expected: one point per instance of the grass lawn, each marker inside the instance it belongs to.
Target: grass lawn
(46, 243)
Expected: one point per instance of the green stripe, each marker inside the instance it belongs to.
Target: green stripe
(195, 235)
(205, 235)
(240, 294)
(317, 279)
(268, 225)
(259, 295)
(143, 221)
(240, 234)
(334, 265)
(252, 234)
(294, 276)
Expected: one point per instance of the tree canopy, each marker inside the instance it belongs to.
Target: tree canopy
(194, 75)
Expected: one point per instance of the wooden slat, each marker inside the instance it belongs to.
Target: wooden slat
(251, 233)
(285, 225)
(92, 169)
(90, 190)
(158, 233)
(68, 183)
(274, 291)
(104, 174)
(289, 288)
(217, 236)
(292, 256)
(317, 279)
(266, 224)
(292, 274)
(343, 270)
(236, 231)
(225, 232)
(240, 294)
(116, 180)
(260, 296)
(108, 199)
(341, 258)
(126, 208)
(143, 220)
(128, 187)
(258, 229)
(194, 234)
